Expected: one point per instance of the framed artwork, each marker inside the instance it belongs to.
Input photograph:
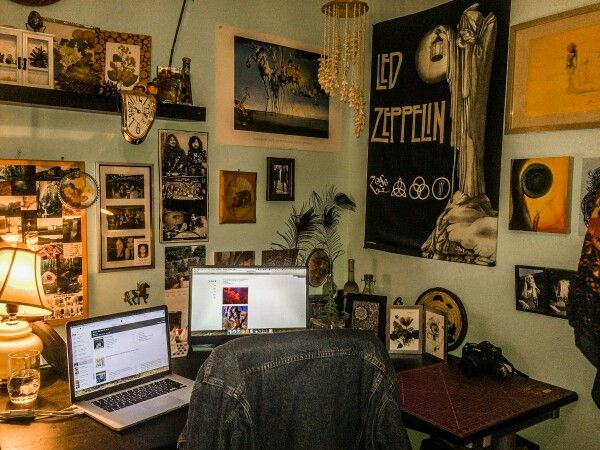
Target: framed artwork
(367, 312)
(123, 58)
(237, 197)
(125, 216)
(553, 78)
(279, 257)
(280, 179)
(404, 329)
(31, 212)
(237, 258)
(318, 264)
(539, 194)
(183, 185)
(74, 50)
(269, 94)
(435, 331)
(447, 302)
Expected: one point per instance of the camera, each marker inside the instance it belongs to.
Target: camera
(485, 359)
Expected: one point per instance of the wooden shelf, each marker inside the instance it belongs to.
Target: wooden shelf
(48, 98)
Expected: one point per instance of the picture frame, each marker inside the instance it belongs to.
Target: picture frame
(546, 87)
(367, 312)
(31, 212)
(276, 112)
(74, 56)
(435, 333)
(237, 197)
(280, 179)
(183, 161)
(125, 217)
(404, 329)
(123, 58)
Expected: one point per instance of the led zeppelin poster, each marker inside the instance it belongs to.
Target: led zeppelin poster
(435, 132)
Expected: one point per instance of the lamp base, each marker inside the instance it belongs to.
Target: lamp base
(14, 337)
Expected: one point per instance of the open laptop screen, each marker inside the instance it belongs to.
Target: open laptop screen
(109, 353)
(233, 301)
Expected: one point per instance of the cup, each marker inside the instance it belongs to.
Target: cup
(23, 376)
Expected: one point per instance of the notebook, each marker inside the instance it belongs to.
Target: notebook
(120, 369)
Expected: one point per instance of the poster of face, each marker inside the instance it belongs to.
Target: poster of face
(435, 132)
(183, 185)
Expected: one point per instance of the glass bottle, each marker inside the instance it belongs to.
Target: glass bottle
(186, 83)
(369, 284)
(350, 286)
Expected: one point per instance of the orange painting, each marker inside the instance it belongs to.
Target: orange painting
(564, 72)
(539, 194)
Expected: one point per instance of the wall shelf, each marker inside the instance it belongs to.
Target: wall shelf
(48, 98)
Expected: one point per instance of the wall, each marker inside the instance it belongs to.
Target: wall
(539, 345)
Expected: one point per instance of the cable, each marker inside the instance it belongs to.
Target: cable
(39, 414)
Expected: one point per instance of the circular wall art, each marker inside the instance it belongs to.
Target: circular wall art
(317, 264)
(78, 190)
(35, 2)
(440, 299)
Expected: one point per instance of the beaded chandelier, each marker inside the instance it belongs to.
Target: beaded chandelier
(342, 62)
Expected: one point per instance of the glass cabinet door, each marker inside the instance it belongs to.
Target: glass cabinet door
(10, 53)
(38, 58)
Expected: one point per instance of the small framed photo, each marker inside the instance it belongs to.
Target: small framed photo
(237, 197)
(367, 312)
(560, 283)
(280, 179)
(436, 326)
(531, 289)
(125, 216)
(404, 329)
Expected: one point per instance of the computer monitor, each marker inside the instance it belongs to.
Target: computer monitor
(229, 302)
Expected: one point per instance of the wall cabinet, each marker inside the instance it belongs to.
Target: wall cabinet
(26, 58)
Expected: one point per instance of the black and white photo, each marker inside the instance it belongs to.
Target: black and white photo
(280, 179)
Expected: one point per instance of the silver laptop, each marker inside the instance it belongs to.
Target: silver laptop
(120, 367)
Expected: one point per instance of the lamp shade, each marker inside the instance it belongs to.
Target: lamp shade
(20, 280)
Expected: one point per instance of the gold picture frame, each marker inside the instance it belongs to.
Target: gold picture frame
(125, 45)
(237, 197)
(553, 77)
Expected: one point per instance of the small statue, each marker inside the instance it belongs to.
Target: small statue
(35, 22)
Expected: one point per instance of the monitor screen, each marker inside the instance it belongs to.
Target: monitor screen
(227, 302)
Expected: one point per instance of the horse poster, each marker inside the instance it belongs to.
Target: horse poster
(268, 94)
(435, 132)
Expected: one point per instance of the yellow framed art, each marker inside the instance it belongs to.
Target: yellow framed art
(554, 74)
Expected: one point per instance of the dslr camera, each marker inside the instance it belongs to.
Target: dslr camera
(485, 359)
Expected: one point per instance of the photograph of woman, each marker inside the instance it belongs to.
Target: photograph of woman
(116, 249)
(174, 157)
(196, 157)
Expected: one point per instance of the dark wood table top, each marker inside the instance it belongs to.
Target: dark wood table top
(439, 399)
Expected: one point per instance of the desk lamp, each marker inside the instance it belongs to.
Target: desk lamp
(20, 284)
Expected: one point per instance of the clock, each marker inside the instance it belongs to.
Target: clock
(137, 115)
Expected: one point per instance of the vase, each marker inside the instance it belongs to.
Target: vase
(186, 83)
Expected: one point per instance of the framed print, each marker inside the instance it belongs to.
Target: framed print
(237, 197)
(435, 326)
(447, 302)
(318, 265)
(280, 179)
(279, 257)
(367, 312)
(31, 212)
(404, 329)
(74, 49)
(183, 185)
(560, 283)
(235, 258)
(553, 79)
(123, 58)
(269, 94)
(125, 216)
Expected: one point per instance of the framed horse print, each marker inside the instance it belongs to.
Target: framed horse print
(125, 216)
(269, 94)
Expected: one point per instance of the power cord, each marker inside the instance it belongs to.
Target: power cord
(39, 414)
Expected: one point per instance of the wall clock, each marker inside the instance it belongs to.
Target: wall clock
(137, 115)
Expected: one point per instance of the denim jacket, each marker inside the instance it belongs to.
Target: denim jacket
(315, 389)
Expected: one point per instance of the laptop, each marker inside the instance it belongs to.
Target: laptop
(120, 369)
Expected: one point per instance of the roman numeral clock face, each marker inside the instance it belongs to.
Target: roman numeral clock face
(137, 115)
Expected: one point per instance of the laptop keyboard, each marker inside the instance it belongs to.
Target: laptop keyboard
(137, 394)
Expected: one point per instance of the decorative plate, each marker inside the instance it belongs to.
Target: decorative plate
(78, 190)
(440, 299)
(318, 267)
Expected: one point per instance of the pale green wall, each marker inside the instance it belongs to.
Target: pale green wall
(539, 345)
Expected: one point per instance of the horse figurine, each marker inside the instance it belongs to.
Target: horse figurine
(135, 296)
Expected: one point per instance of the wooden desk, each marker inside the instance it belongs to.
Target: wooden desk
(422, 384)
(439, 400)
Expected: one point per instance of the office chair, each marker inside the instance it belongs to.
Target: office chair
(310, 389)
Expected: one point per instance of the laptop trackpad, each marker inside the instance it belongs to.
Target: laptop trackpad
(164, 403)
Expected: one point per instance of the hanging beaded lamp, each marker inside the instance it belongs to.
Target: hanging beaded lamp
(342, 62)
